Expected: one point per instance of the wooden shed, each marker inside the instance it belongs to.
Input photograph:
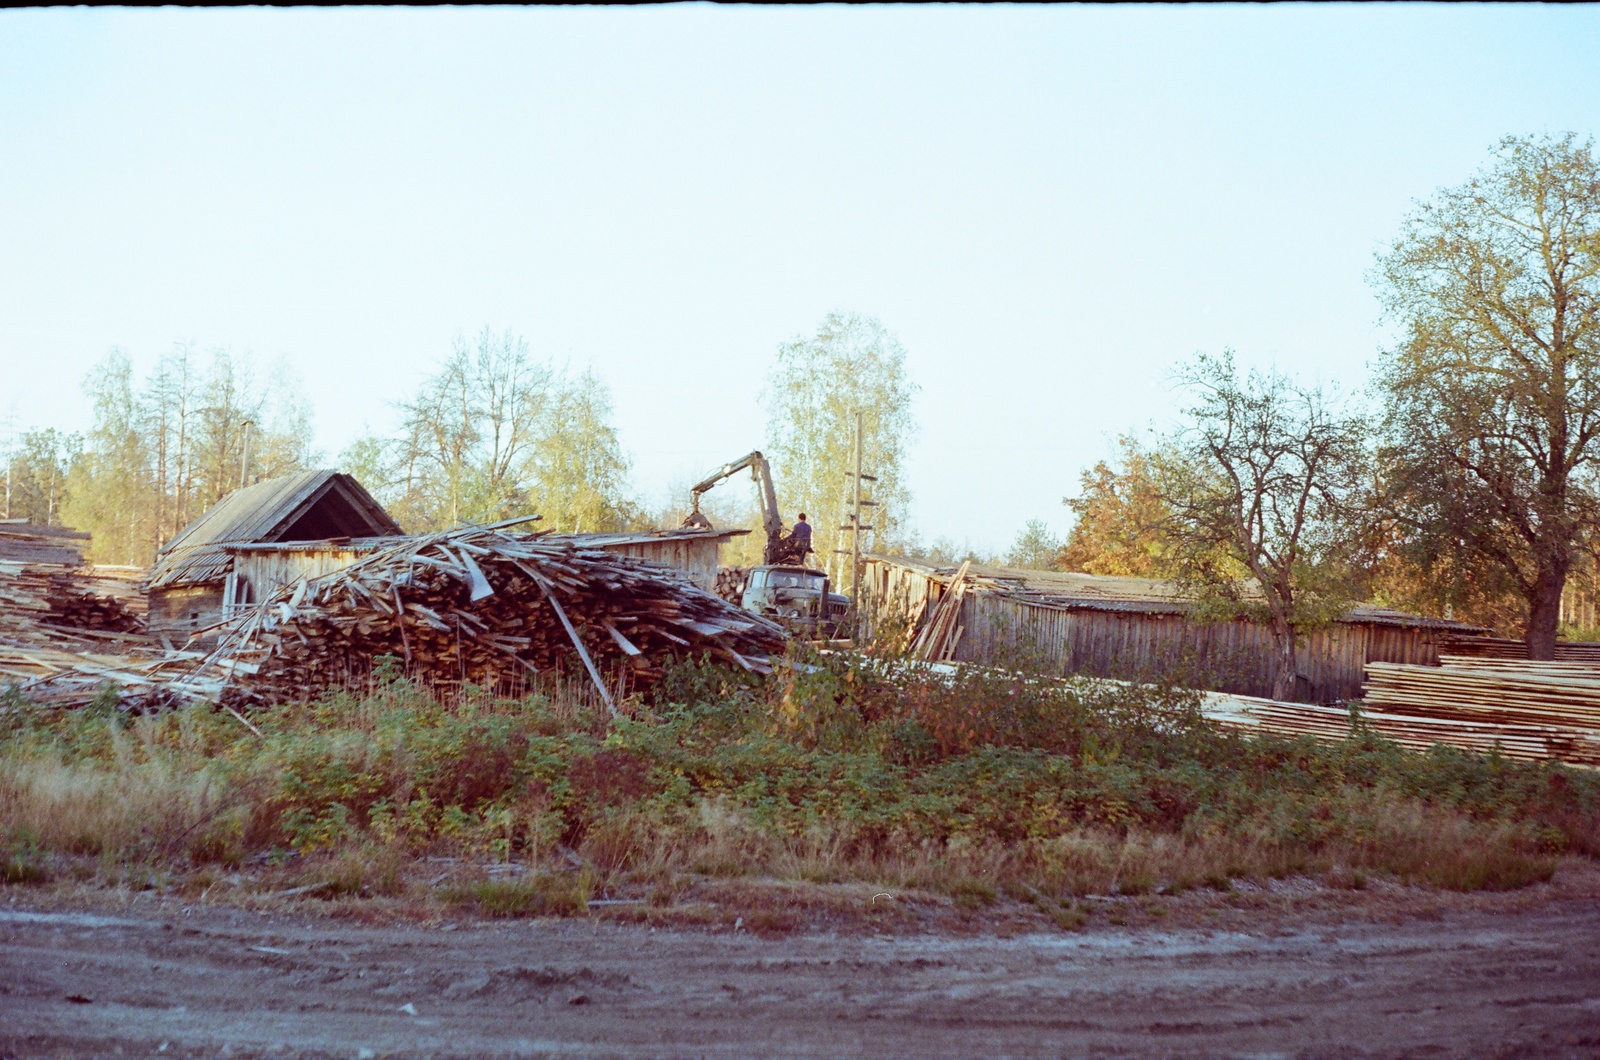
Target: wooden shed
(256, 539)
(277, 532)
(1143, 628)
(691, 549)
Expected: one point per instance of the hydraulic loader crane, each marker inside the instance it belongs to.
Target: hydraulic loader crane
(779, 549)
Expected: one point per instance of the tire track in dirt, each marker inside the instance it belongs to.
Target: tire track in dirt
(1523, 982)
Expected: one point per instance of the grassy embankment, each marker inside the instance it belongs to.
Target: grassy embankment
(984, 785)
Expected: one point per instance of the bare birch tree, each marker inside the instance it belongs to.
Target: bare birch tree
(495, 433)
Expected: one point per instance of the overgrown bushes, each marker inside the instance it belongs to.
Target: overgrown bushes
(836, 769)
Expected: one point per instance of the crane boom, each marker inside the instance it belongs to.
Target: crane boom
(771, 521)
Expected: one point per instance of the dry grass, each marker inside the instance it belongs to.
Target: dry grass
(144, 809)
(1406, 840)
(781, 793)
(525, 895)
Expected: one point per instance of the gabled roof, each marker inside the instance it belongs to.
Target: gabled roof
(309, 506)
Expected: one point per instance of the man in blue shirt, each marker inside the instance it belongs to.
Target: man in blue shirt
(800, 537)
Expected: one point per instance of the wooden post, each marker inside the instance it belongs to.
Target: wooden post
(855, 543)
(244, 457)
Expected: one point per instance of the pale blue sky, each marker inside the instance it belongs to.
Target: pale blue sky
(1050, 206)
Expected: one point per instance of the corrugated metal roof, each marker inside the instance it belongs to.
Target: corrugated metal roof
(1097, 592)
(263, 512)
(332, 544)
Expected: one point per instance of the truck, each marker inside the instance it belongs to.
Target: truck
(782, 587)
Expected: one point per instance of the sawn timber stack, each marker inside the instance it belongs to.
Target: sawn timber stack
(486, 606)
(1531, 710)
(48, 594)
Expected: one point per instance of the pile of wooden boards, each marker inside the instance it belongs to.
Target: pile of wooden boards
(46, 590)
(1529, 710)
(941, 628)
(1505, 648)
(485, 606)
(1532, 743)
(144, 677)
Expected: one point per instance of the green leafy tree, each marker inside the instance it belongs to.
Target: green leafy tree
(1492, 396)
(579, 473)
(1120, 518)
(812, 395)
(1035, 548)
(114, 493)
(494, 434)
(1264, 491)
(37, 476)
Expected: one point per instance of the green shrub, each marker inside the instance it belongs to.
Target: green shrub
(531, 894)
(834, 769)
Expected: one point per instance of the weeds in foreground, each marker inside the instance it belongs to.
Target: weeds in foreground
(838, 771)
(531, 894)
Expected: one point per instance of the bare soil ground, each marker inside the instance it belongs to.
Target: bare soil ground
(1293, 970)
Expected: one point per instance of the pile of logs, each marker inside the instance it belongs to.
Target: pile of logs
(485, 606)
(731, 582)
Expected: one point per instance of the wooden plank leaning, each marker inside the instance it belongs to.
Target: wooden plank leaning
(577, 642)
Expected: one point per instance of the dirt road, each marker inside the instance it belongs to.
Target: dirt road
(1516, 982)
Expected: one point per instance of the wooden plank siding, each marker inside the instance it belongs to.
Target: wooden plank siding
(1125, 641)
(267, 570)
(176, 613)
(697, 556)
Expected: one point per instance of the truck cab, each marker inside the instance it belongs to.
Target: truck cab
(795, 596)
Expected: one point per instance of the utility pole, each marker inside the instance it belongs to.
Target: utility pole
(244, 458)
(856, 526)
(855, 520)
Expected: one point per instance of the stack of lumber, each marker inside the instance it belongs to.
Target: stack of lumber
(941, 628)
(483, 605)
(1534, 710)
(59, 677)
(1501, 691)
(1532, 743)
(52, 546)
(45, 587)
(1504, 648)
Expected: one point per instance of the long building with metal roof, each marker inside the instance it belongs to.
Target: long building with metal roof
(1145, 628)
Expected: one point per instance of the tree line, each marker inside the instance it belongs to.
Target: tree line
(494, 431)
(160, 451)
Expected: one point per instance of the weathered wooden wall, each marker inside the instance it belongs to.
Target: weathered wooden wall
(697, 556)
(180, 611)
(268, 569)
(1234, 656)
